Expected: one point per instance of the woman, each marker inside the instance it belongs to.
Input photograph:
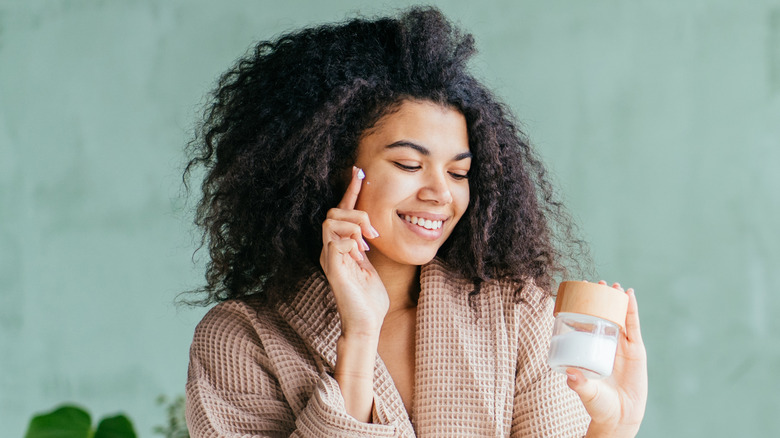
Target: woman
(380, 236)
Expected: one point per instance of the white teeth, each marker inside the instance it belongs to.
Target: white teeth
(425, 223)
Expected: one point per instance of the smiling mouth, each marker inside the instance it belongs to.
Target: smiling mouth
(421, 222)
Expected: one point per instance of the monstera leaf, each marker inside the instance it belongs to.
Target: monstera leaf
(73, 422)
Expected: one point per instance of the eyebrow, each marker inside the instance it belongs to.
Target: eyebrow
(423, 150)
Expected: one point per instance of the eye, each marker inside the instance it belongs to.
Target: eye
(459, 176)
(406, 167)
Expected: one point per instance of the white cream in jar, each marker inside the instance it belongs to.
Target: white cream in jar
(588, 321)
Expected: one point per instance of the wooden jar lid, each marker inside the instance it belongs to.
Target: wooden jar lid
(592, 299)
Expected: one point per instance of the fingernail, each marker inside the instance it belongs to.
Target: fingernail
(360, 174)
(572, 377)
(374, 232)
(365, 245)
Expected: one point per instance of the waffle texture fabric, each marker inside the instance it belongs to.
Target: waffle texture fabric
(480, 368)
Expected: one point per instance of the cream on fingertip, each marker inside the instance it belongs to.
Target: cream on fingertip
(361, 174)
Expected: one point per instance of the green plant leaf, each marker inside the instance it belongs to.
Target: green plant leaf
(115, 427)
(64, 422)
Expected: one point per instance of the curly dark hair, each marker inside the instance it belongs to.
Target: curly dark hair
(282, 131)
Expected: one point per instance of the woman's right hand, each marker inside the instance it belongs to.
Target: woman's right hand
(361, 297)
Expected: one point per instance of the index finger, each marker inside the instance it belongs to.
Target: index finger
(350, 196)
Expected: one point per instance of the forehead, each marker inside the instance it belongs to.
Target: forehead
(438, 128)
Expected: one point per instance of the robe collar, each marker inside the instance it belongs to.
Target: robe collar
(313, 315)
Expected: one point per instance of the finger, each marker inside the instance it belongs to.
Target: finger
(594, 395)
(603, 282)
(343, 247)
(333, 252)
(333, 229)
(350, 196)
(588, 390)
(633, 331)
(356, 217)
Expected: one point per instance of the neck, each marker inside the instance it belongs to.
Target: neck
(402, 282)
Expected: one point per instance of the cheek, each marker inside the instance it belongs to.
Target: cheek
(377, 193)
(462, 197)
(370, 197)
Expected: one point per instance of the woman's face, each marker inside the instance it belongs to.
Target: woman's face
(416, 161)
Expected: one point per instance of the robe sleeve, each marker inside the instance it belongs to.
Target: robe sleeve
(544, 405)
(233, 388)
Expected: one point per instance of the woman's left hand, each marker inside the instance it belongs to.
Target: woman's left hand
(617, 404)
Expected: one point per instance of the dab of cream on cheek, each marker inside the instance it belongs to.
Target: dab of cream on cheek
(585, 333)
(362, 175)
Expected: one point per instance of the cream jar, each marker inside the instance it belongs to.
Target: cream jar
(588, 320)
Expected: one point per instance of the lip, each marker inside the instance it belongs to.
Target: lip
(420, 231)
(424, 215)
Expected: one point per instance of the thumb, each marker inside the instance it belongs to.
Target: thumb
(596, 400)
(588, 390)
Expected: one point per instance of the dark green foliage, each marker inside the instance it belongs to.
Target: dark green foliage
(70, 421)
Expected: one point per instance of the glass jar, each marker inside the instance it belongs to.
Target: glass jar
(584, 342)
(588, 320)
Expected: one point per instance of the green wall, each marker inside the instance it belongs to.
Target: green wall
(660, 121)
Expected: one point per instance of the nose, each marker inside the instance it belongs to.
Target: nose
(436, 189)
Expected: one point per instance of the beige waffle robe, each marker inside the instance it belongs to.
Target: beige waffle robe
(480, 369)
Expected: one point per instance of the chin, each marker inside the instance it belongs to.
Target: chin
(418, 258)
(404, 253)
